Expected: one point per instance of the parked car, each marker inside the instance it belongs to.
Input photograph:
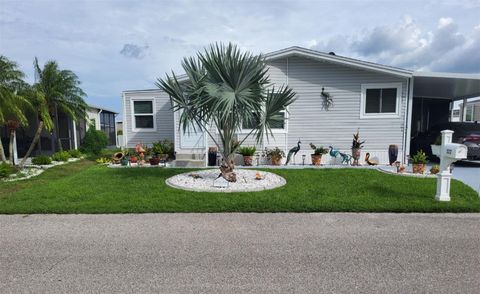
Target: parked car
(464, 133)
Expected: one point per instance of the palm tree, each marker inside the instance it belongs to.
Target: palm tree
(12, 103)
(225, 88)
(55, 90)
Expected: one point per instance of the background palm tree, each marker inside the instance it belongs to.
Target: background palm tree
(225, 88)
(55, 90)
(12, 103)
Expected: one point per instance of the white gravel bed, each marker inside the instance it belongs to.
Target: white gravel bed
(246, 181)
(24, 174)
(135, 165)
(407, 173)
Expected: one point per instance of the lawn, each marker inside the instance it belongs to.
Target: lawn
(85, 187)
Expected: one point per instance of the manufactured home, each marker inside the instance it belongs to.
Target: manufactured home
(388, 105)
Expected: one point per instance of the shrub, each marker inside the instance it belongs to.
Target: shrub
(61, 156)
(41, 160)
(94, 141)
(74, 153)
(419, 158)
(247, 150)
(103, 160)
(163, 147)
(6, 170)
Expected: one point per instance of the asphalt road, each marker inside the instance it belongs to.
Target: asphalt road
(237, 253)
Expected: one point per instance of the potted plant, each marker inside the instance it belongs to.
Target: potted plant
(133, 157)
(163, 149)
(357, 146)
(435, 170)
(317, 154)
(419, 160)
(275, 155)
(247, 153)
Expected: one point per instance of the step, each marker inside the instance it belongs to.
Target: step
(188, 163)
(190, 156)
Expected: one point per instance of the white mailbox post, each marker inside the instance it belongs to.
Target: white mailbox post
(448, 153)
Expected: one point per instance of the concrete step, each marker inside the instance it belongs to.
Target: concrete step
(188, 163)
(190, 156)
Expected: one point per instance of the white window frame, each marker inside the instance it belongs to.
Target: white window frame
(132, 113)
(363, 97)
(274, 131)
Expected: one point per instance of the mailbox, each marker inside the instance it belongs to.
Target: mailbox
(449, 153)
(454, 151)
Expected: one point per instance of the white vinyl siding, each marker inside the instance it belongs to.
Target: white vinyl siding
(163, 118)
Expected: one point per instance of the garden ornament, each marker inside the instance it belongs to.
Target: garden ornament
(293, 152)
(346, 158)
(370, 161)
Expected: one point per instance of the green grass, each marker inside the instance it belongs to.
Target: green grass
(84, 187)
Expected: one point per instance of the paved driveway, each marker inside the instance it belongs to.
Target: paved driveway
(468, 175)
(235, 253)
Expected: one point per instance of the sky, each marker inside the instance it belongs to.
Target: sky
(123, 45)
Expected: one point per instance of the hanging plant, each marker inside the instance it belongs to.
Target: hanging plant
(327, 100)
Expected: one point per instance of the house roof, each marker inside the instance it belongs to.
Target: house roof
(313, 54)
(454, 86)
(102, 108)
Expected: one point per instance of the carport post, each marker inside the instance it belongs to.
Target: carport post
(464, 110)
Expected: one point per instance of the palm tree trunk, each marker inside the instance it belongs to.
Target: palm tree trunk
(36, 138)
(3, 158)
(57, 130)
(227, 167)
(10, 146)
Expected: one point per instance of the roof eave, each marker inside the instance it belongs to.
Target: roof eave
(299, 51)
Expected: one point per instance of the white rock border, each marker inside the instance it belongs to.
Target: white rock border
(246, 181)
(32, 170)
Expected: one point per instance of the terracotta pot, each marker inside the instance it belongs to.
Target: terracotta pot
(356, 152)
(276, 160)
(316, 159)
(247, 160)
(154, 161)
(418, 168)
(133, 159)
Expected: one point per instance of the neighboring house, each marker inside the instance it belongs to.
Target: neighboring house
(71, 134)
(388, 105)
(472, 111)
(104, 120)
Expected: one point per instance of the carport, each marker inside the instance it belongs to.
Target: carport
(432, 97)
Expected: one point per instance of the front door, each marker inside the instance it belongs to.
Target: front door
(192, 139)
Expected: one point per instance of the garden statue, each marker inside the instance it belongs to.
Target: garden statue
(345, 157)
(370, 161)
(293, 152)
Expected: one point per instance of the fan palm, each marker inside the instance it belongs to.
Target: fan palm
(55, 90)
(225, 88)
(12, 103)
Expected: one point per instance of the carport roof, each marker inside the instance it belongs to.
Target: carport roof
(452, 86)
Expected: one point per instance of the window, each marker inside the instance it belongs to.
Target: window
(143, 116)
(380, 100)
(469, 113)
(107, 125)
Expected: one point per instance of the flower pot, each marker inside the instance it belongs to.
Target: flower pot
(392, 153)
(133, 159)
(356, 152)
(124, 161)
(316, 159)
(276, 160)
(247, 160)
(163, 157)
(418, 168)
(154, 161)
